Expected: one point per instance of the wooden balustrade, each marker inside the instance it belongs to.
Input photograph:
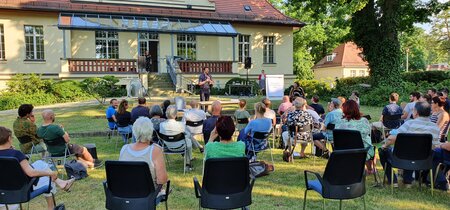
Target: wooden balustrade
(102, 65)
(196, 67)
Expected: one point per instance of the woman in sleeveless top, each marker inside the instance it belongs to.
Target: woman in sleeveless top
(145, 150)
(439, 115)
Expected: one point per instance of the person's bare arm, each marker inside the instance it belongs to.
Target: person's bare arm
(390, 141)
(446, 146)
(31, 172)
(160, 166)
(66, 137)
(441, 121)
(213, 135)
(405, 115)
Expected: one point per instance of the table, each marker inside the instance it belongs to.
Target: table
(241, 87)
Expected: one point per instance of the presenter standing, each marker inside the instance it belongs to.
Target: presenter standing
(262, 81)
(205, 82)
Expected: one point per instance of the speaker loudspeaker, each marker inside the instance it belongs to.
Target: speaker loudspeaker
(248, 63)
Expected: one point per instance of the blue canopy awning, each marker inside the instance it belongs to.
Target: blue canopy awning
(82, 21)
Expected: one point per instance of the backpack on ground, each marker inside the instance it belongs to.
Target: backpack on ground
(260, 168)
(76, 170)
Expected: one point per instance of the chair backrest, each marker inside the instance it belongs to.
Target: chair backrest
(13, 182)
(173, 138)
(347, 139)
(344, 174)
(392, 117)
(226, 175)
(331, 126)
(261, 135)
(242, 121)
(129, 179)
(413, 146)
(24, 139)
(56, 147)
(194, 124)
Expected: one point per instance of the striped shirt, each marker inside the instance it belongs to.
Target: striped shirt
(421, 125)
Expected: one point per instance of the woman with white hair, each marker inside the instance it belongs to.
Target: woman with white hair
(145, 150)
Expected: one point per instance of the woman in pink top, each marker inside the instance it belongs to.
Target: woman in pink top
(284, 106)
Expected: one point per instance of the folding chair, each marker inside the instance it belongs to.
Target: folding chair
(343, 177)
(129, 185)
(226, 184)
(413, 152)
(16, 186)
(27, 139)
(351, 139)
(262, 138)
(56, 153)
(444, 165)
(390, 118)
(181, 149)
(195, 125)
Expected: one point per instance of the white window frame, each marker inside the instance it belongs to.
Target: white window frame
(184, 42)
(143, 41)
(34, 36)
(243, 41)
(2, 43)
(109, 55)
(331, 57)
(353, 73)
(362, 73)
(268, 43)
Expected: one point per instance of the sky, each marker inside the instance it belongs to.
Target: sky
(427, 26)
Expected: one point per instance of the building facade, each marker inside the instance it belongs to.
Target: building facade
(345, 61)
(69, 39)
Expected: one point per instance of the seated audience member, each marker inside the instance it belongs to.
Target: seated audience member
(354, 121)
(432, 92)
(165, 104)
(331, 119)
(444, 92)
(171, 127)
(39, 168)
(438, 114)
(391, 114)
(420, 124)
(113, 104)
(156, 114)
(259, 124)
(354, 97)
(296, 91)
(425, 98)
(408, 110)
(195, 114)
(141, 110)
(269, 112)
(123, 121)
(49, 131)
(284, 105)
(441, 154)
(316, 106)
(210, 123)
(146, 150)
(226, 147)
(241, 115)
(298, 118)
(24, 127)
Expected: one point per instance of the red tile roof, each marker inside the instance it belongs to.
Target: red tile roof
(347, 55)
(227, 10)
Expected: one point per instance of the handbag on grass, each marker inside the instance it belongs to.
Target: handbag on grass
(260, 168)
(76, 170)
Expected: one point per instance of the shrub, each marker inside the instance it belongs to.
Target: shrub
(69, 90)
(28, 84)
(14, 100)
(425, 76)
(241, 81)
(101, 88)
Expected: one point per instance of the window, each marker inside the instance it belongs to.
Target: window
(106, 45)
(34, 42)
(331, 57)
(187, 46)
(268, 51)
(353, 73)
(362, 73)
(144, 38)
(2, 43)
(244, 47)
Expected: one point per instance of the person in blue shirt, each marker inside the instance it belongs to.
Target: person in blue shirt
(259, 124)
(333, 117)
(113, 104)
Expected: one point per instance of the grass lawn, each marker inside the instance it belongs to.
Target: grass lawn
(283, 189)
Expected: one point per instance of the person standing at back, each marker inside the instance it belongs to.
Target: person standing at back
(205, 82)
(140, 111)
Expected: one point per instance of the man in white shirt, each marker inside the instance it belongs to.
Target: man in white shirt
(408, 110)
(171, 127)
(194, 123)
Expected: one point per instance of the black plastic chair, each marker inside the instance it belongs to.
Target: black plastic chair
(129, 185)
(15, 186)
(261, 137)
(174, 151)
(226, 184)
(343, 178)
(412, 151)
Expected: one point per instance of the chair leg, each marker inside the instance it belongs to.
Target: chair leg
(432, 182)
(364, 201)
(392, 180)
(340, 204)
(420, 179)
(438, 169)
(323, 203)
(304, 200)
(167, 208)
(185, 161)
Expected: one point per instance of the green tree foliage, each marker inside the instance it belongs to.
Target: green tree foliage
(439, 39)
(414, 41)
(101, 87)
(376, 29)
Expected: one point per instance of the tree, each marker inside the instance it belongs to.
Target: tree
(101, 87)
(414, 41)
(376, 27)
(439, 39)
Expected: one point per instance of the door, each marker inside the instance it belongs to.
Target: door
(153, 51)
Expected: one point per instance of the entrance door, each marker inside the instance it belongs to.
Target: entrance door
(153, 51)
